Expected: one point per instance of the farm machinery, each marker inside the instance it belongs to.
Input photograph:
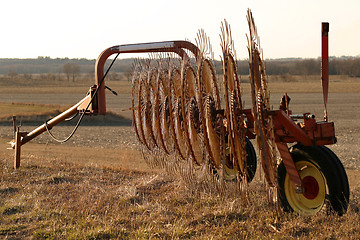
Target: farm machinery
(182, 116)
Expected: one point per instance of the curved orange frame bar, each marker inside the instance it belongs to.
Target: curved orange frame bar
(168, 46)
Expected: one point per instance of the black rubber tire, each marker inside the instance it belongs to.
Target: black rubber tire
(342, 199)
(337, 185)
(251, 161)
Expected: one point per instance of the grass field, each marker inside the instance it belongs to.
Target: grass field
(97, 186)
(7, 110)
(70, 192)
(59, 195)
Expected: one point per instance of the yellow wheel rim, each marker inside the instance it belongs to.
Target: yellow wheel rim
(313, 197)
(229, 172)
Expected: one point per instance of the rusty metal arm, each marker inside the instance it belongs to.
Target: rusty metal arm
(52, 122)
(290, 166)
(23, 137)
(168, 46)
(289, 124)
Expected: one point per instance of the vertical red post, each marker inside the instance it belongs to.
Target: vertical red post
(17, 148)
(325, 63)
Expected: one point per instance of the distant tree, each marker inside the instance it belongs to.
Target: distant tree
(90, 75)
(71, 70)
(67, 70)
(113, 76)
(307, 67)
(12, 74)
(128, 75)
(51, 76)
(27, 76)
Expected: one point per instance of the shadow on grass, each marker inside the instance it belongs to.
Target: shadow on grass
(110, 119)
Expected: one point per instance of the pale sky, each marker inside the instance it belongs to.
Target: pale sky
(83, 29)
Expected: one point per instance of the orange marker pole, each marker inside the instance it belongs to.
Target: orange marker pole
(325, 64)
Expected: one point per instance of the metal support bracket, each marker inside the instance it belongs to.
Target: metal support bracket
(290, 166)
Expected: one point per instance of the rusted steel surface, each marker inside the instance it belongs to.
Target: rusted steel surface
(168, 46)
(53, 122)
(289, 165)
(309, 132)
(17, 148)
(286, 124)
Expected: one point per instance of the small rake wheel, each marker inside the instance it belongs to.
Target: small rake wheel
(210, 101)
(147, 108)
(164, 115)
(191, 111)
(260, 100)
(156, 103)
(208, 83)
(213, 134)
(135, 106)
(235, 163)
(176, 118)
(263, 125)
(143, 111)
(324, 182)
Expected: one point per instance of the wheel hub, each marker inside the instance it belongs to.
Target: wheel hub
(310, 187)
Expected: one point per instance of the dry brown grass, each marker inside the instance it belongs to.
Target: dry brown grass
(7, 110)
(312, 84)
(23, 86)
(53, 197)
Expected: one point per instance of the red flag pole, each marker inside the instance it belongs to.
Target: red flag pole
(325, 64)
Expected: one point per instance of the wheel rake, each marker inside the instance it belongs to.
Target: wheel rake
(211, 134)
(194, 125)
(180, 121)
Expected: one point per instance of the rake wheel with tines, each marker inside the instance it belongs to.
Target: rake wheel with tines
(185, 124)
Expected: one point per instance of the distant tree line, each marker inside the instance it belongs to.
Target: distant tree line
(337, 66)
(72, 67)
(350, 67)
(71, 70)
(43, 65)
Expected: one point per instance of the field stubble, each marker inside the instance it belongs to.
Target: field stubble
(97, 186)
